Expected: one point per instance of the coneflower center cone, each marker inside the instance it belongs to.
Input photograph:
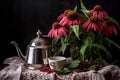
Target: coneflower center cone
(66, 12)
(97, 8)
(94, 19)
(72, 15)
(56, 25)
(109, 23)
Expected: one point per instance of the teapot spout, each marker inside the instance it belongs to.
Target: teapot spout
(18, 50)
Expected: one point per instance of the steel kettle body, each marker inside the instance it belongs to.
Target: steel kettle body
(36, 53)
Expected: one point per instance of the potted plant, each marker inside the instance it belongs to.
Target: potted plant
(86, 34)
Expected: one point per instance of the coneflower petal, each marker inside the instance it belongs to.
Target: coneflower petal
(115, 31)
(56, 33)
(89, 26)
(60, 17)
(59, 33)
(86, 24)
(94, 27)
(110, 30)
(100, 15)
(75, 22)
(50, 33)
(62, 20)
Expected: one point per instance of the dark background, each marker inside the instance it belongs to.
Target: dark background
(20, 20)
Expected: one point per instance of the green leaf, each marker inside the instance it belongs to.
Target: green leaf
(55, 41)
(91, 36)
(93, 67)
(83, 9)
(74, 64)
(64, 71)
(114, 21)
(64, 45)
(84, 48)
(85, 12)
(75, 9)
(76, 30)
(112, 42)
(116, 61)
(82, 5)
(82, 51)
(102, 47)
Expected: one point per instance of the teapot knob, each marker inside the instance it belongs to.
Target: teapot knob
(39, 33)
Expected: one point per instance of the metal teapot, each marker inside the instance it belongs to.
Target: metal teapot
(37, 52)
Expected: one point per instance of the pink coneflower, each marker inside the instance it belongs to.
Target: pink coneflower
(93, 23)
(98, 11)
(70, 18)
(64, 14)
(57, 30)
(110, 28)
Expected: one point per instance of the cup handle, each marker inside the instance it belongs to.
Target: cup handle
(53, 65)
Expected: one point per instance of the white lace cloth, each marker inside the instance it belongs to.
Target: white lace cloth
(17, 71)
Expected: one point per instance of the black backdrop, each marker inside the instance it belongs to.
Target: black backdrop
(20, 20)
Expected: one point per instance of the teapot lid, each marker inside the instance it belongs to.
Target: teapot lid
(39, 41)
